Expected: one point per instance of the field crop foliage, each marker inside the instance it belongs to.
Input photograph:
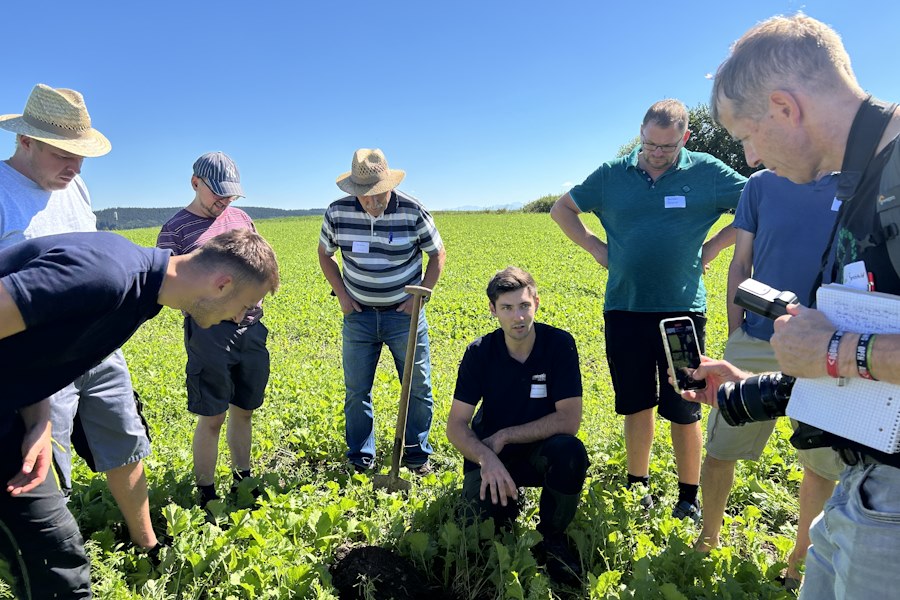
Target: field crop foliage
(281, 546)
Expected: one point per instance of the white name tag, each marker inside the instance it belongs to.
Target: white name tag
(361, 247)
(675, 202)
(835, 205)
(855, 275)
(538, 390)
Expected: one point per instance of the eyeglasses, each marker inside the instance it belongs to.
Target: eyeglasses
(666, 148)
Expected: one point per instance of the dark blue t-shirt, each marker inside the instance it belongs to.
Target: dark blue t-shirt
(81, 295)
(513, 393)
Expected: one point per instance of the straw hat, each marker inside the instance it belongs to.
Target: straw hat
(369, 174)
(59, 118)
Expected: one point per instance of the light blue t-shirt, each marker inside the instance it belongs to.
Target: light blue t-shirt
(655, 229)
(27, 211)
(791, 224)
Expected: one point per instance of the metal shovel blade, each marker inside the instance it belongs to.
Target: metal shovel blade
(391, 483)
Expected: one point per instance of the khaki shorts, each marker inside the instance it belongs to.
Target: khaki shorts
(747, 442)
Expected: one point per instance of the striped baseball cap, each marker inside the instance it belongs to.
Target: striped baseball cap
(219, 172)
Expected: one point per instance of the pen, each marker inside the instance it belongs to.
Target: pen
(871, 286)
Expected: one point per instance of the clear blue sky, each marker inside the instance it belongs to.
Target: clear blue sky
(481, 102)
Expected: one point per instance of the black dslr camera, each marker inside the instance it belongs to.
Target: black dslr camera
(761, 397)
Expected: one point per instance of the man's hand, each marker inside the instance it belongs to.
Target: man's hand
(495, 442)
(37, 455)
(496, 478)
(715, 372)
(601, 254)
(708, 254)
(348, 304)
(801, 341)
(406, 306)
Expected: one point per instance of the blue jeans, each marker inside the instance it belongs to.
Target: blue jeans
(856, 539)
(364, 334)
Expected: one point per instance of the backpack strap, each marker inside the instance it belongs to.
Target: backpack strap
(888, 206)
(868, 126)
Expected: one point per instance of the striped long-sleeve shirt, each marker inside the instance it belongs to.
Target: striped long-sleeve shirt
(185, 232)
(381, 254)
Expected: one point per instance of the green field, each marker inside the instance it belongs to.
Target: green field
(312, 506)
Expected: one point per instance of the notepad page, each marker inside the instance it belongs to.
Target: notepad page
(861, 410)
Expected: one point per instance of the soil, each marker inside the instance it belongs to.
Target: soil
(376, 572)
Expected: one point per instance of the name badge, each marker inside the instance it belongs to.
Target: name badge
(835, 205)
(675, 202)
(538, 390)
(361, 247)
(855, 276)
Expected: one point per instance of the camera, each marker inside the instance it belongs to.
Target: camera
(758, 398)
(761, 397)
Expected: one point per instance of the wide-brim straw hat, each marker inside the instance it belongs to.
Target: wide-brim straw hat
(58, 117)
(369, 174)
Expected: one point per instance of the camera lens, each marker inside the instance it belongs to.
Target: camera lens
(758, 398)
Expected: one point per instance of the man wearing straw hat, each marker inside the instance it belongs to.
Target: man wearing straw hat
(42, 193)
(381, 233)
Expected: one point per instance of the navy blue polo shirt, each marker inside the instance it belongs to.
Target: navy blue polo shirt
(513, 393)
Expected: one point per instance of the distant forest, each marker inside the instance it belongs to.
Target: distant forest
(135, 218)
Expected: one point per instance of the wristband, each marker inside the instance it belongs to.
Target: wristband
(864, 356)
(831, 360)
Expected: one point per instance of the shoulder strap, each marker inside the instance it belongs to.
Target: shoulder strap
(868, 126)
(888, 206)
(871, 120)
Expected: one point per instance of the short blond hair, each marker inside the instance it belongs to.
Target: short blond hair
(243, 253)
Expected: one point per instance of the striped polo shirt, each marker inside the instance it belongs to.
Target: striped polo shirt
(381, 255)
(185, 232)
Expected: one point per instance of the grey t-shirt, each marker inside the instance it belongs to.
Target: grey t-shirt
(27, 211)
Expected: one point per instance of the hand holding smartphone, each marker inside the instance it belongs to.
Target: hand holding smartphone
(682, 352)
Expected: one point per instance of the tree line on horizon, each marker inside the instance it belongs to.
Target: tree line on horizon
(120, 218)
(706, 136)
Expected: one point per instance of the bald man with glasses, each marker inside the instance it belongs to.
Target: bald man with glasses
(656, 205)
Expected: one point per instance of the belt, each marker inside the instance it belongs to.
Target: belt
(853, 457)
(394, 306)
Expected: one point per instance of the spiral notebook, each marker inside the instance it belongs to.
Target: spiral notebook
(861, 410)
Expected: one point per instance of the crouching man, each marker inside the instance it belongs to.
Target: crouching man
(526, 376)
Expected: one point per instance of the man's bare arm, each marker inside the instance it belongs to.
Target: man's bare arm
(565, 212)
(11, 321)
(566, 419)
(331, 270)
(741, 268)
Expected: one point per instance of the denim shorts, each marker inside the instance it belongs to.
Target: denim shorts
(227, 364)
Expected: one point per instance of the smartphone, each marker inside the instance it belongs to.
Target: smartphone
(682, 351)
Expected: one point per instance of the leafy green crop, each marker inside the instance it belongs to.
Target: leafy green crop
(281, 547)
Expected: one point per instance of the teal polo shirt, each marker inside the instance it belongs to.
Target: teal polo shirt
(655, 229)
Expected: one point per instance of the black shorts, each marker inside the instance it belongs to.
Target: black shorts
(637, 364)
